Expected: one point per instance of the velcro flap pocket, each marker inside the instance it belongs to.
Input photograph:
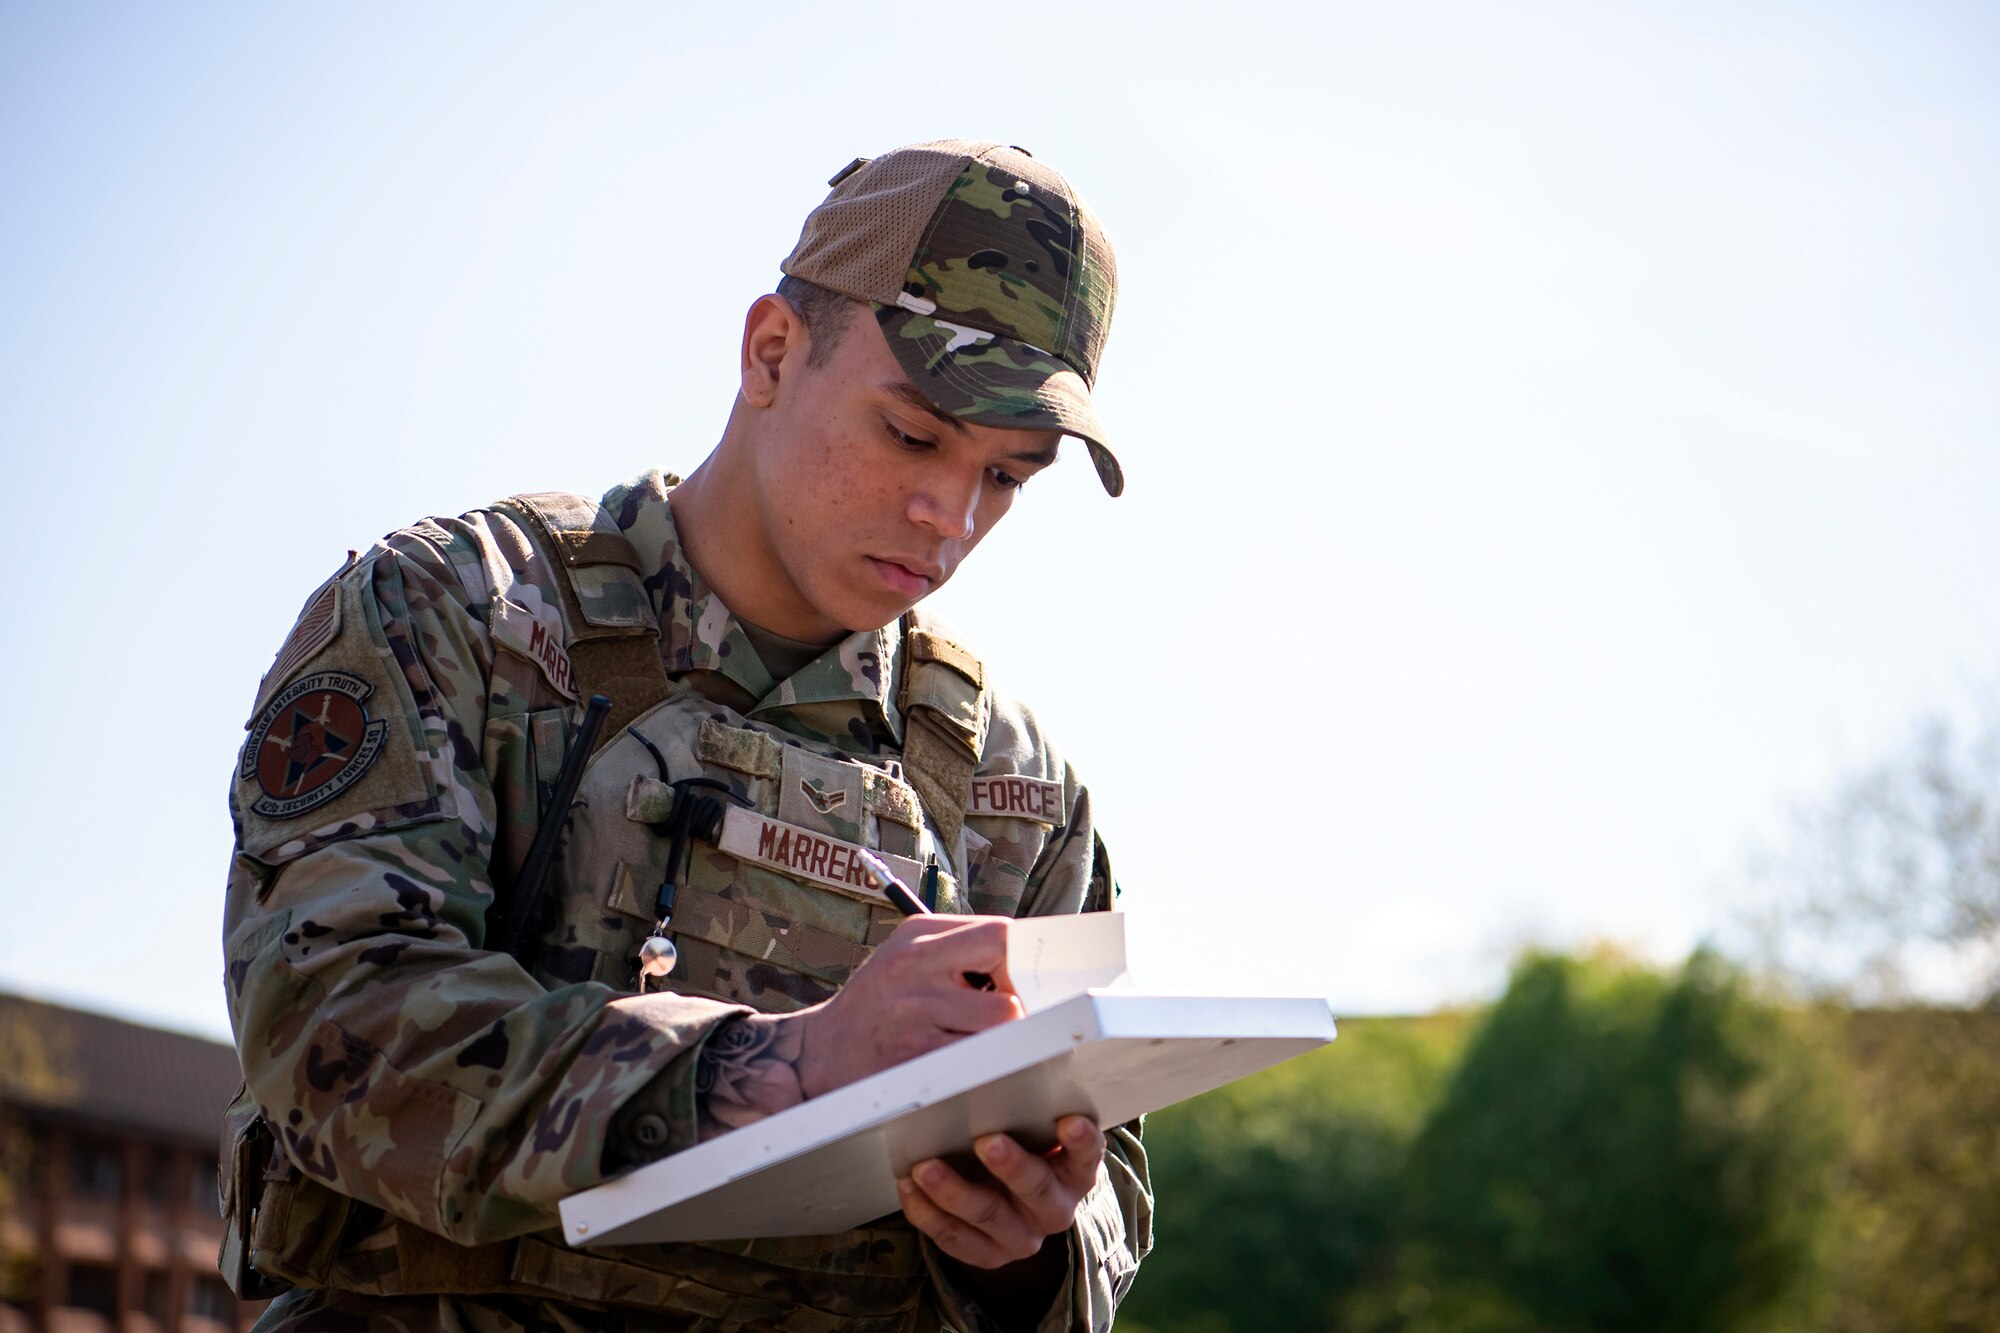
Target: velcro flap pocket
(949, 698)
(766, 936)
(648, 800)
(891, 798)
(742, 749)
(611, 597)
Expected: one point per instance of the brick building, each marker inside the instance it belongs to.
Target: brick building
(109, 1222)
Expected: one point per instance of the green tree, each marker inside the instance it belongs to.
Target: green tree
(1919, 1192)
(1618, 1149)
(1279, 1192)
(1886, 887)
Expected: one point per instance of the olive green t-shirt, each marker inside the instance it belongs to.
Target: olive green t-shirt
(783, 657)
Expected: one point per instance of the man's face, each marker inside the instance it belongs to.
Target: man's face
(869, 497)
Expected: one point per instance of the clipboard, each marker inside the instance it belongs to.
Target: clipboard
(1108, 1051)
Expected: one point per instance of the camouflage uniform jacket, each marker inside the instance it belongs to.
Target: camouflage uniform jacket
(446, 1097)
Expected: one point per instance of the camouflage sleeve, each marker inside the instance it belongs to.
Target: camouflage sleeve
(394, 1057)
(1114, 1225)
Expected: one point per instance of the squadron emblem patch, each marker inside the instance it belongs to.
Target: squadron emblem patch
(311, 743)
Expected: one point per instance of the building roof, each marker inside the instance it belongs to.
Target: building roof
(102, 1071)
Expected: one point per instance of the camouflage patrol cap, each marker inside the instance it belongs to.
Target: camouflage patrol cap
(992, 282)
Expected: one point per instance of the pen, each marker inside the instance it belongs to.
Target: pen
(898, 893)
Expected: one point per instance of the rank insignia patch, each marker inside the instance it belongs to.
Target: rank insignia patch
(822, 800)
(311, 743)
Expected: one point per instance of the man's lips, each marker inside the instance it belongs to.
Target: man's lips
(910, 580)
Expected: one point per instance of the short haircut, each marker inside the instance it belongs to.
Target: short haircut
(825, 314)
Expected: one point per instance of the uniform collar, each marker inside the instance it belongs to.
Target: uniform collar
(702, 642)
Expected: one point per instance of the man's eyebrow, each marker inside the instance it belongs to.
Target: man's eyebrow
(1039, 457)
(907, 391)
(910, 394)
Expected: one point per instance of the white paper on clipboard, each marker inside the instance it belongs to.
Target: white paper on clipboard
(1088, 1045)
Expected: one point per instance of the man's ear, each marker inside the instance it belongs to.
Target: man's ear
(772, 331)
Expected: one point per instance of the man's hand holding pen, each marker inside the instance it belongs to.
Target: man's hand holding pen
(934, 980)
(1003, 1220)
(908, 999)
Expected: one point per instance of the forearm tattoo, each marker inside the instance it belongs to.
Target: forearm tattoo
(749, 1069)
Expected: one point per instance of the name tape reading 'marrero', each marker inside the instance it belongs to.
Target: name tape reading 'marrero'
(517, 628)
(1011, 796)
(750, 836)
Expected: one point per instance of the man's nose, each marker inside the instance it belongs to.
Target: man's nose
(946, 504)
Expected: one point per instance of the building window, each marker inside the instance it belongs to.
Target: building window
(96, 1168)
(160, 1174)
(93, 1287)
(155, 1302)
(209, 1299)
(204, 1189)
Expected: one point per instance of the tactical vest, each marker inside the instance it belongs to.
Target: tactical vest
(791, 810)
(769, 912)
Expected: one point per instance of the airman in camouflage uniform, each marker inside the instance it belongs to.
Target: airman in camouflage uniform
(419, 1100)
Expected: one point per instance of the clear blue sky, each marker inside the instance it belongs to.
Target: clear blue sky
(1559, 436)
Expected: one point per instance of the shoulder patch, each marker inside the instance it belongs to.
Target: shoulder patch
(314, 630)
(1012, 796)
(311, 743)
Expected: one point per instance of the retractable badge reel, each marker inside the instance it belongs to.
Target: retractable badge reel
(692, 814)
